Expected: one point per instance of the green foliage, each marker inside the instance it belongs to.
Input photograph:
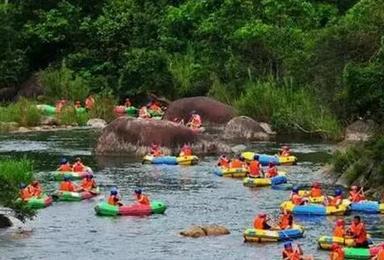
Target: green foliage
(104, 106)
(12, 173)
(287, 107)
(63, 83)
(69, 116)
(23, 112)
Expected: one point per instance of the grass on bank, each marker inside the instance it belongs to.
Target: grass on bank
(23, 112)
(288, 108)
(12, 173)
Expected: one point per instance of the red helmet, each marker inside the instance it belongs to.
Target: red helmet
(340, 222)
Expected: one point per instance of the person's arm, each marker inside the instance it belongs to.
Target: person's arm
(300, 249)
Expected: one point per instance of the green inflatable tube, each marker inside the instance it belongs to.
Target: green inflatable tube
(357, 253)
(131, 111)
(39, 203)
(105, 209)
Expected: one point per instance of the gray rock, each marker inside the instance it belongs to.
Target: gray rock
(359, 130)
(243, 127)
(96, 123)
(205, 230)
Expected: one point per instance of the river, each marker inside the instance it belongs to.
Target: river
(194, 195)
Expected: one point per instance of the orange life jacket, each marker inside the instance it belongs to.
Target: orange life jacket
(66, 186)
(156, 152)
(272, 172)
(89, 102)
(254, 168)
(35, 191)
(65, 168)
(359, 231)
(26, 193)
(285, 221)
(316, 192)
(296, 199)
(292, 255)
(259, 223)
(338, 231)
(224, 162)
(356, 196)
(337, 254)
(113, 200)
(143, 199)
(380, 254)
(88, 184)
(335, 201)
(78, 167)
(236, 163)
(155, 107)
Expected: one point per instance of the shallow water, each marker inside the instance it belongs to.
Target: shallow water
(194, 196)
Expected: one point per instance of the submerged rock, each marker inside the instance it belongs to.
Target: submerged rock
(210, 110)
(243, 127)
(205, 230)
(130, 135)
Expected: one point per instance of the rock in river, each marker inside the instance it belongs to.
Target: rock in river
(243, 127)
(205, 230)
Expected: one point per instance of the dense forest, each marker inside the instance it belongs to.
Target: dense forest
(314, 65)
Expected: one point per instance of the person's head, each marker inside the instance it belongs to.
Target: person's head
(78, 160)
(262, 215)
(22, 185)
(67, 178)
(35, 183)
(316, 185)
(113, 192)
(285, 147)
(193, 112)
(256, 157)
(340, 222)
(354, 188)
(335, 246)
(88, 176)
(356, 219)
(138, 192)
(127, 100)
(288, 246)
(338, 192)
(63, 161)
(78, 102)
(241, 158)
(295, 190)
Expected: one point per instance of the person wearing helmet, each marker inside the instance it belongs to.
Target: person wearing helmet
(285, 220)
(255, 169)
(195, 120)
(339, 229)
(356, 194)
(284, 151)
(35, 188)
(236, 163)
(114, 198)
(88, 183)
(127, 102)
(154, 106)
(359, 233)
(335, 200)
(223, 161)
(186, 150)
(296, 198)
(77, 104)
(141, 198)
(271, 170)
(67, 185)
(78, 166)
(316, 190)
(25, 193)
(260, 222)
(336, 253)
(156, 150)
(65, 166)
(290, 253)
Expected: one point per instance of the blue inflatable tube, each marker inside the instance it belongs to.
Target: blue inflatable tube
(284, 186)
(290, 234)
(265, 159)
(316, 210)
(372, 207)
(171, 160)
(278, 180)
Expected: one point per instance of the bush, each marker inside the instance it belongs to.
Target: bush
(12, 173)
(24, 112)
(104, 105)
(69, 116)
(287, 108)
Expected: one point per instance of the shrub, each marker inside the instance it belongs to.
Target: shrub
(104, 105)
(24, 112)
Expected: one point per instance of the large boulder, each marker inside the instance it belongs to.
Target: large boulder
(31, 88)
(131, 135)
(205, 230)
(210, 110)
(11, 227)
(243, 127)
(359, 130)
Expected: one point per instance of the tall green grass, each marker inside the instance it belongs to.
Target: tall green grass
(288, 108)
(103, 109)
(12, 173)
(24, 112)
(69, 116)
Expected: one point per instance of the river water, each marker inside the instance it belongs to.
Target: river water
(194, 196)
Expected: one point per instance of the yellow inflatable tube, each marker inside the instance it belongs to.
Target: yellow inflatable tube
(307, 194)
(261, 235)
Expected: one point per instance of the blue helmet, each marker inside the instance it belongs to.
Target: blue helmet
(63, 161)
(295, 189)
(138, 191)
(67, 178)
(114, 192)
(338, 192)
(22, 185)
(256, 157)
(287, 245)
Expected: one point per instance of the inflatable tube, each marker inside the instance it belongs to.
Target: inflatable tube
(231, 172)
(325, 242)
(265, 159)
(171, 160)
(81, 110)
(76, 196)
(260, 182)
(41, 202)
(260, 235)
(121, 110)
(155, 114)
(307, 193)
(362, 253)
(105, 209)
(313, 209)
(284, 186)
(59, 176)
(365, 206)
(47, 109)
